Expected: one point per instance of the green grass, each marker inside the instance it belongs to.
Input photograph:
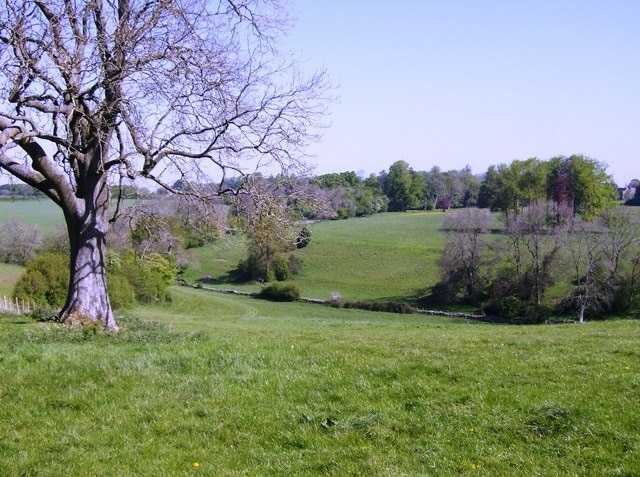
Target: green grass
(42, 212)
(9, 275)
(382, 257)
(241, 386)
(247, 387)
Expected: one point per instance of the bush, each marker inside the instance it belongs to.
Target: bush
(45, 280)
(280, 292)
(150, 276)
(304, 238)
(279, 269)
(121, 292)
(250, 268)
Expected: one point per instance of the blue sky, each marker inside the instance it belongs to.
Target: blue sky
(450, 83)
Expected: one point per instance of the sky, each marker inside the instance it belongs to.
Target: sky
(451, 83)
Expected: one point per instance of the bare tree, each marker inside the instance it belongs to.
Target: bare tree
(95, 91)
(587, 255)
(463, 252)
(535, 235)
(18, 242)
(622, 234)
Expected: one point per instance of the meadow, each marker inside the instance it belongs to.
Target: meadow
(224, 385)
(216, 384)
(41, 212)
(383, 257)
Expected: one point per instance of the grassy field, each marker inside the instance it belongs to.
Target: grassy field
(237, 386)
(41, 212)
(386, 256)
(215, 384)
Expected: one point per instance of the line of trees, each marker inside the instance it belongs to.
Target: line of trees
(592, 266)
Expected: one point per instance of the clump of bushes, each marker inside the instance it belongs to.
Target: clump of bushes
(281, 268)
(45, 280)
(280, 292)
(129, 279)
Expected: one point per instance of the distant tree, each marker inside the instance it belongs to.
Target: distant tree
(269, 229)
(341, 179)
(19, 242)
(635, 200)
(510, 187)
(471, 188)
(398, 186)
(581, 184)
(462, 254)
(536, 237)
(19, 190)
(436, 187)
(418, 190)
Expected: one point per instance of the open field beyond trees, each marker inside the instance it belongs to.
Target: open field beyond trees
(216, 384)
(382, 257)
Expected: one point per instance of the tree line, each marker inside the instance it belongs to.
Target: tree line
(543, 261)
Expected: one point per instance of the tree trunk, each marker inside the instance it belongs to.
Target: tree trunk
(581, 313)
(87, 300)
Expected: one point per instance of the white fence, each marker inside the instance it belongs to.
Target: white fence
(13, 305)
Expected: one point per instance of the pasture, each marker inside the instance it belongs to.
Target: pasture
(389, 256)
(214, 384)
(41, 212)
(227, 385)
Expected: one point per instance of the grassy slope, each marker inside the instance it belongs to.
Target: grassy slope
(257, 388)
(385, 256)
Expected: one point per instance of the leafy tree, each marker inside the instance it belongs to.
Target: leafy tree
(268, 227)
(94, 91)
(581, 184)
(418, 190)
(397, 186)
(509, 188)
(344, 179)
(436, 186)
(470, 189)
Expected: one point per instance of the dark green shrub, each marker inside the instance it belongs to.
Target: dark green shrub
(45, 280)
(121, 292)
(248, 269)
(150, 276)
(279, 269)
(512, 307)
(280, 292)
